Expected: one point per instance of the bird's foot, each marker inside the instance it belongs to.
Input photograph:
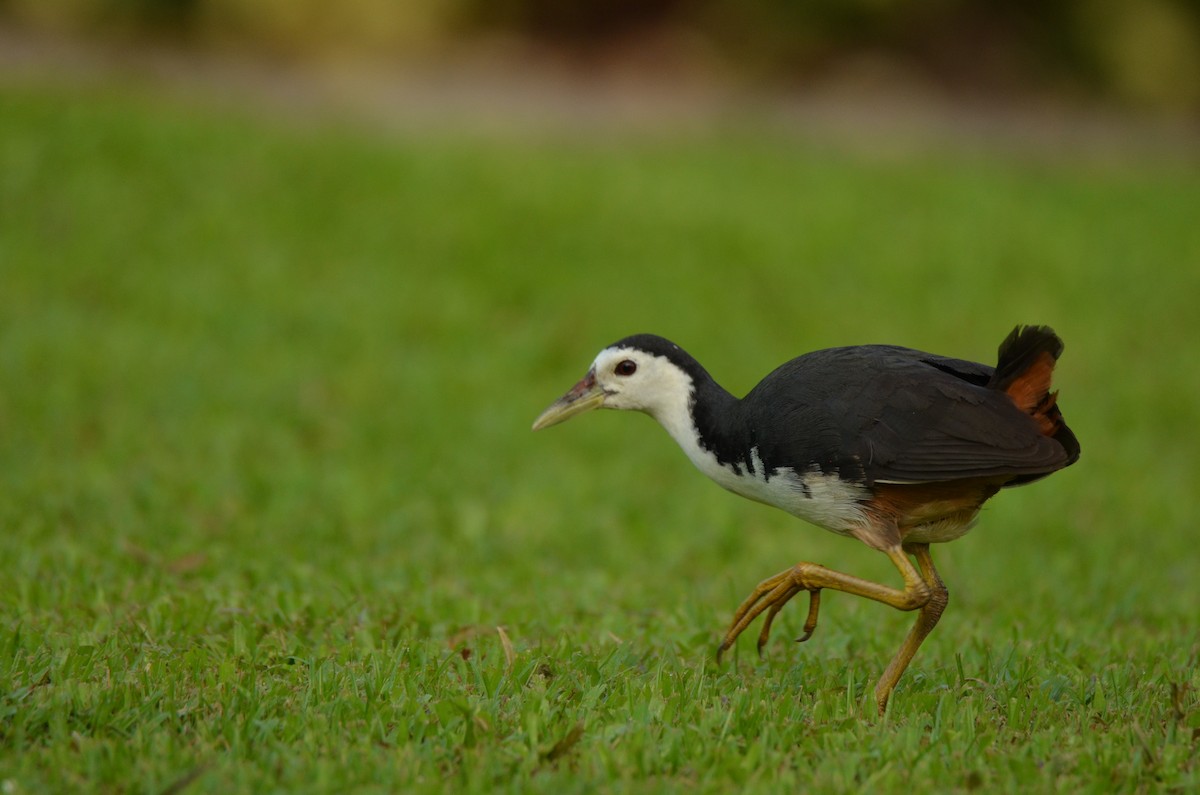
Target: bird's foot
(923, 590)
(770, 596)
(810, 623)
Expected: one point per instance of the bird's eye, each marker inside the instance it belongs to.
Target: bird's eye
(626, 367)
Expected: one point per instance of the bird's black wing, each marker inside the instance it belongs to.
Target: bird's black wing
(891, 414)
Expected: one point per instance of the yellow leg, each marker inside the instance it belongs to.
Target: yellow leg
(923, 590)
(931, 611)
(773, 593)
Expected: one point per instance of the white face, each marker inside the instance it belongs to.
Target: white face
(634, 380)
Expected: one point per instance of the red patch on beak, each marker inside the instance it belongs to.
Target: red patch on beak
(583, 387)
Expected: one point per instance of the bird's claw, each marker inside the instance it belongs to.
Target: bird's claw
(771, 595)
(810, 623)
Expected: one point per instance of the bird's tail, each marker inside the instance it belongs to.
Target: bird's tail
(1024, 370)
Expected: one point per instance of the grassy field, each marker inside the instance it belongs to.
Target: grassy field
(272, 519)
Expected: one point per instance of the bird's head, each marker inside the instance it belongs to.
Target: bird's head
(629, 376)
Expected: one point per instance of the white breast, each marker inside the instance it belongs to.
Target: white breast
(822, 499)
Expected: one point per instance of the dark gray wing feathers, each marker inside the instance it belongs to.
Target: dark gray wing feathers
(890, 414)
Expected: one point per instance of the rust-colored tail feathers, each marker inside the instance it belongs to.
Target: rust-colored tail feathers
(1024, 370)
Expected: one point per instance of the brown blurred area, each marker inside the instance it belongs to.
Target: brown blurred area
(1139, 59)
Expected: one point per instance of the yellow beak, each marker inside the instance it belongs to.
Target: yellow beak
(584, 396)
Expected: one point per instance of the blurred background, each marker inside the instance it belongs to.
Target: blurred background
(283, 284)
(270, 296)
(1141, 55)
(216, 319)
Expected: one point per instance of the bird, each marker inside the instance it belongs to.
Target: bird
(885, 444)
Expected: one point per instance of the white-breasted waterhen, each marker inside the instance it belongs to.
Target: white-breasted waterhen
(889, 445)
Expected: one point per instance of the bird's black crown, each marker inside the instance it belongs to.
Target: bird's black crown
(661, 346)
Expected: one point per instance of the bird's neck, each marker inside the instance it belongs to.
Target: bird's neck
(705, 422)
(717, 423)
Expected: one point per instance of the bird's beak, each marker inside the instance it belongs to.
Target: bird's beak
(584, 396)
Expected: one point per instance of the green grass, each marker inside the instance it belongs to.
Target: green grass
(267, 488)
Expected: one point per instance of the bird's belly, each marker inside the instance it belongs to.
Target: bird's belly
(818, 498)
(932, 513)
(939, 532)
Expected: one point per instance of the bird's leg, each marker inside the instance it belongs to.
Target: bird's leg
(774, 592)
(931, 611)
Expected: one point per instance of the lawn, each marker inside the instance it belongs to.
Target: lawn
(272, 518)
